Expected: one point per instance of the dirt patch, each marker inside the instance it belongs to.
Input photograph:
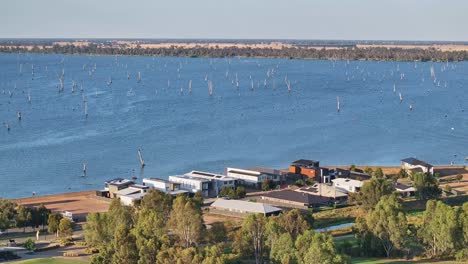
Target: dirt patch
(79, 203)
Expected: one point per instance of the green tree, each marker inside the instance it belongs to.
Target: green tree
(378, 173)
(402, 174)
(426, 186)
(148, 252)
(352, 168)
(159, 202)
(388, 223)
(53, 223)
(29, 244)
(293, 223)
(459, 177)
(438, 231)
(39, 216)
(23, 217)
(65, 228)
(119, 214)
(254, 231)
(217, 233)
(240, 192)
(369, 170)
(125, 246)
(317, 248)
(282, 250)
(226, 191)
(7, 214)
(268, 184)
(96, 230)
(186, 221)
(372, 191)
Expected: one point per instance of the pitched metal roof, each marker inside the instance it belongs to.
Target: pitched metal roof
(244, 206)
(299, 197)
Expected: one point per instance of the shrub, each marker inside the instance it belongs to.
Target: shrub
(299, 183)
(29, 244)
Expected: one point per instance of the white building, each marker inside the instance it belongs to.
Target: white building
(244, 207)
(411, 165)
(324, 190)
(131, 199)
(219, 181)
(250, 177)
(347, 185)
(405, 190)
(193, 184)
(163, 185)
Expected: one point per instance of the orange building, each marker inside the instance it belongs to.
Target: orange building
(311, 169)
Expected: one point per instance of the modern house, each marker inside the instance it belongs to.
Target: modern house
(405, 190)
(194, 184)
(250, 177)
(355, 175)
(347, 185)
(311, 169)
(413, 165)
(115, 185)
(132, 194)
(325, 190)
(218, 180)
(244, 207)
(163, 185)
(277, 176)
(289, 198)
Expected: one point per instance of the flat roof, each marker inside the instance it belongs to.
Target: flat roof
(189, 178)
(245, 206)
(157, 180)
(321, 189)
(244, 172)
(119, 181)
(349, 182)
(414, 161)
(265, 170)
(127, 191)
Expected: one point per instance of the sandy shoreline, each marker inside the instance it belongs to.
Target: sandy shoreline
(226, 45)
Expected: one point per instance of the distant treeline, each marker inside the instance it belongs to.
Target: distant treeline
(346, 53)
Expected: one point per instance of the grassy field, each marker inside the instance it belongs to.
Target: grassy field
(51, 261)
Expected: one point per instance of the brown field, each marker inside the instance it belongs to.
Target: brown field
(79, 203)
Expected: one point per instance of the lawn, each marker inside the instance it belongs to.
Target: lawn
(51, 261)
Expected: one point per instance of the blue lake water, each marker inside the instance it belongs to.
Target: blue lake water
(179, 131)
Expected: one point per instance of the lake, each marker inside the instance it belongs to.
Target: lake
(179, 131)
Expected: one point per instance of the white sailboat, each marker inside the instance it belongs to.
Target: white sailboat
(401, 97)
(190, 86)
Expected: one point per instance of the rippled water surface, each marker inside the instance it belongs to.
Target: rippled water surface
(179, 131)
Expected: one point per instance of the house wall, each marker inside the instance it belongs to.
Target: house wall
(156, 184)
(407, 166)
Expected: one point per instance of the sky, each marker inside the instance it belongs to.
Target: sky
(445, 20)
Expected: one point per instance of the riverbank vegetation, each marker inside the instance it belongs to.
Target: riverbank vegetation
(294, 52)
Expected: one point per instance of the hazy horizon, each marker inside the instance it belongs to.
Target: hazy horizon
(396, 20)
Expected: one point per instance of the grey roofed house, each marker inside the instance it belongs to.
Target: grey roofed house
(296, 198)
(410, 164)
(306, 163)
(415, 162)
(244, 207)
